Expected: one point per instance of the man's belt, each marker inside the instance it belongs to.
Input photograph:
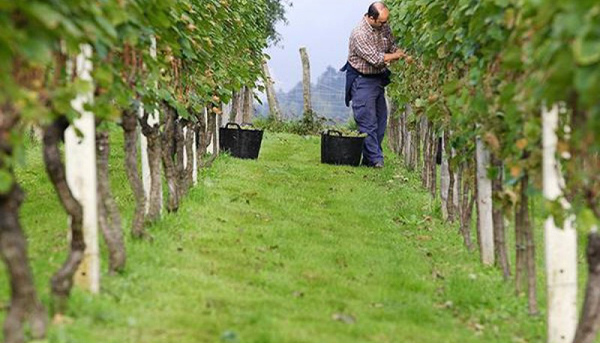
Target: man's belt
(374, 76)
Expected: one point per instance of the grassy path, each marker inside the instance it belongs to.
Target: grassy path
(284, 249)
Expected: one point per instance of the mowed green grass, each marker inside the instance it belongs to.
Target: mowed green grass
(283, 249)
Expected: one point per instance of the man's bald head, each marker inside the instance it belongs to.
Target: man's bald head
(378, 14)
(376, 9)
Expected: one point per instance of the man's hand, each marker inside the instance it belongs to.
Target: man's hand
(408, 59)
(393, 57)
(398, 55)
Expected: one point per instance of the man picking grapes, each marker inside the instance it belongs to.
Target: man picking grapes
(372, 48)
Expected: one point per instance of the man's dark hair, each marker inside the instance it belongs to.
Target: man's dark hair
(374, 9)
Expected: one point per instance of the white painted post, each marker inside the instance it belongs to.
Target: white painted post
(484, 199)
(456, 191)
(195, 161)
(185, 161)
(153, 119)
(218, 124)
(211, 148)
(408, 138)
(146, 177)
(80, 161)
(444, 180)
(145, 162)
(560, 244)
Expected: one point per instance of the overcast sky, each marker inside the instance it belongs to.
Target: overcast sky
(324, 28)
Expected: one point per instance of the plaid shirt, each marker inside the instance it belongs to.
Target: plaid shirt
(368, 46)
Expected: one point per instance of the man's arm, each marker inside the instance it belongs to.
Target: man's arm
(394, 48)
(367, 51)
(399, 53)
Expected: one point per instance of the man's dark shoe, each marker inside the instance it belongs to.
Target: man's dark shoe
(378, 165)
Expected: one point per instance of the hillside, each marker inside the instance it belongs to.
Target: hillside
(327, 98)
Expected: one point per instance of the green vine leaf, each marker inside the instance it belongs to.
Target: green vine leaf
(6, 181)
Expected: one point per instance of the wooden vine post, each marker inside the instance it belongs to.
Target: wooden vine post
(274, 109)
(247, 103)
(560, 244)
(308, 113)
(80, 161)
(484, 201)
(236, 106)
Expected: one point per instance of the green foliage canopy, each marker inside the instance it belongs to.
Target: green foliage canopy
(205, 50)
(488, 67)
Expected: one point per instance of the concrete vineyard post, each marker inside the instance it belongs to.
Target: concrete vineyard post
(560, 243)
(153, 119)
(80, 163)
(484, 200)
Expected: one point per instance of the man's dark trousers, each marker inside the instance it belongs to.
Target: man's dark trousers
(370, 114)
